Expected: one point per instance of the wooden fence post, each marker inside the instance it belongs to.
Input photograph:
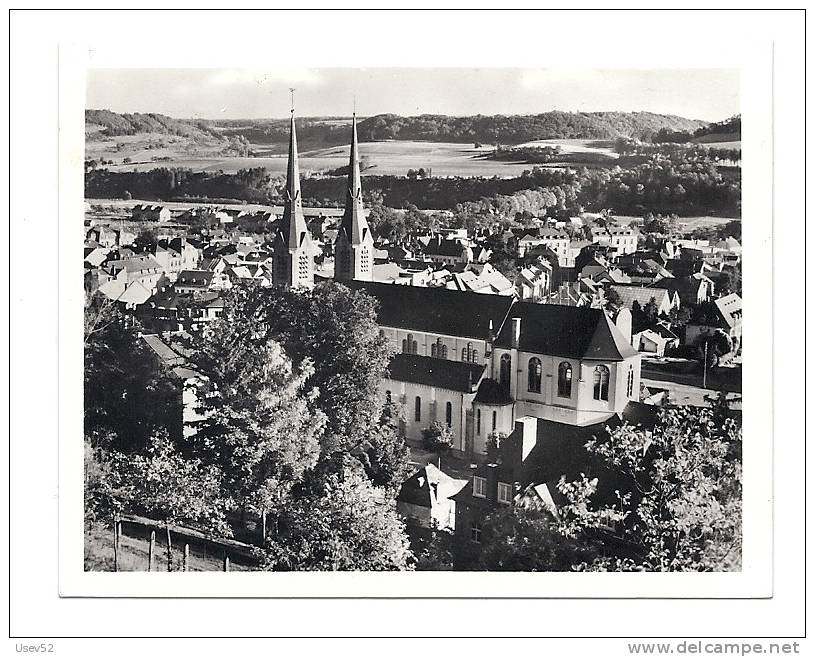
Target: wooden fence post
(169, 548)
(151, 551)
(116, 532)
(226, 562)
(186, 565)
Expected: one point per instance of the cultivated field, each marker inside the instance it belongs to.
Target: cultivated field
(688, 223)
(380, 158)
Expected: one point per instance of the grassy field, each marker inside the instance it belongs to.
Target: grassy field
(382, 158)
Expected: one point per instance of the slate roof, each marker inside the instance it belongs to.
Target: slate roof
(631, 293)
(566, 331)
(196, 277)
(177, 363)
(449, 248)
(437, 372)
(492, 392)
(436, 310)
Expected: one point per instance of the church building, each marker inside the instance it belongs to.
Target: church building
(479, 362)
(476, 362)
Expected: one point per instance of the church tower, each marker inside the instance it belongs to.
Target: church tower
(354, 246)
(293, 259)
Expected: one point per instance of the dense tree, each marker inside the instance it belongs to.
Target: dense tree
(164, 485)
(528, 540)
(345, 524)
(335, 330)
(261, 427)
(437, 437)
(129, 393)
(681, 506)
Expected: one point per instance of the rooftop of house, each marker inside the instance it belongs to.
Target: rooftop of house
(730, 308)
(195, 277)
(447, 248)
(559, 450)
(493, 393)
(429, 486)
(630, 293)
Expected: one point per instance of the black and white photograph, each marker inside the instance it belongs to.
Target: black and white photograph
(413, 323)
(496, 338)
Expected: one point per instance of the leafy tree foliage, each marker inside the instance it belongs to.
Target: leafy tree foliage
(334, 330)
(438, 437)
(260, 428)
(165, 485)
(681, 507)
(528, 540)
(682, 183)
(345, 524)
(129, 394)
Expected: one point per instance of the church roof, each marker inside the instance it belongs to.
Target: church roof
(436, 310)
(567, 331)
(437, 372)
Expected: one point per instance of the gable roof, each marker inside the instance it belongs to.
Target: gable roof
(436, 310)
(729, 306)
(566, 331)
(429, 486)
(437, 372)
(196, 277)
(642, 295)
(449, 248)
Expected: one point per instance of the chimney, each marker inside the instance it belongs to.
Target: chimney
(492, 481)
(526, 428)
(516, 332)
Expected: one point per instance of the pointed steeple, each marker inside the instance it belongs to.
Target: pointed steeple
(293, 228)
(353, 220)
(293, 251)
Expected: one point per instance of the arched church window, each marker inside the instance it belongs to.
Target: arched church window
(535, 371)
(601, 377)
(564, 380)
(506, 370)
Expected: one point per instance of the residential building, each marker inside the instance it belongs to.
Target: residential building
(425, 499)
(723, 314)
(530, 461)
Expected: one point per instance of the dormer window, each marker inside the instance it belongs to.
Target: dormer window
(479, 487)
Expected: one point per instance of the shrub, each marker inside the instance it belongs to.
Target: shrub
(438, 437)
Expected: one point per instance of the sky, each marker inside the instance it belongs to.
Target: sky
(706, 94)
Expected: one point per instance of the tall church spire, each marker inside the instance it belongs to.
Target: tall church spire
(293, 251)
(353, 220)
(293, 225)
(353, 248)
